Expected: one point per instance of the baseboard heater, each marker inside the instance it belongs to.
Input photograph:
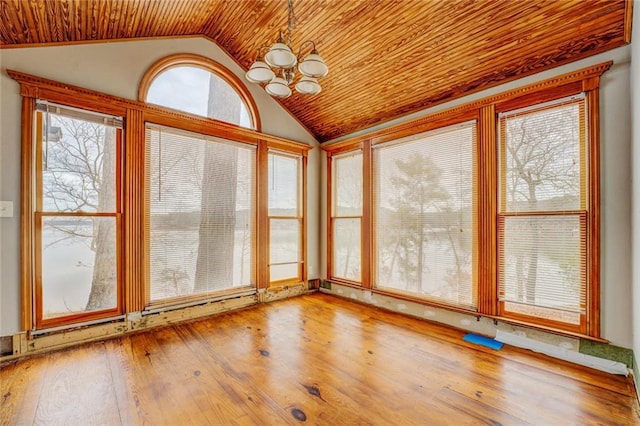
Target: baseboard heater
(75, 326)
(601, 364)
(199, 302)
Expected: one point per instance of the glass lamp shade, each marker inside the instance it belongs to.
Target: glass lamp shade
(281, 56)
(313, 66)
(259, 73)
(308, 86)
(278, 88)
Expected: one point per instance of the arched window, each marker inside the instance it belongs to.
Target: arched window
(197, 85)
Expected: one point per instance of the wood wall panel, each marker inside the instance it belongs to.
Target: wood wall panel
(386, 58)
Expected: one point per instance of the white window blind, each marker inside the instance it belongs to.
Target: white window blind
(201, 203)
(78, 114)
(542, 227)
(424, 218)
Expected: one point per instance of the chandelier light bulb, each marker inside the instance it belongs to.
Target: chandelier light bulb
(313, 66)
(278, 88)
(260, 73)
(308, 86)
(281, 56)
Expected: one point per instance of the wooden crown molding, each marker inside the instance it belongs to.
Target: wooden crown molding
(628, 17)
(74, 96)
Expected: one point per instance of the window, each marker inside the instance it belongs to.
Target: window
(543, 212)
(346, 216)
(424, 215)
(285, 217)
(77, 215)
(199, 86)
(201, 196)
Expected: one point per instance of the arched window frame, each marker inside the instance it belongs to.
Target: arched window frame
(192, 60)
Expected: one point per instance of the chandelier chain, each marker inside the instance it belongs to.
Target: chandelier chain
(291, 23)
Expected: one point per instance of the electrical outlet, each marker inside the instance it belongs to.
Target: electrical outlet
(6, 208)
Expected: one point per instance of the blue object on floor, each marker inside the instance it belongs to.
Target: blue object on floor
(484, 341)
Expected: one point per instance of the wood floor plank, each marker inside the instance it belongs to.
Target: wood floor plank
(127, 390)
(244, 396)
(317, 357)
(78, 389)
(21, 386)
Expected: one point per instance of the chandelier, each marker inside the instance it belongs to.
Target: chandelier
(277, 68)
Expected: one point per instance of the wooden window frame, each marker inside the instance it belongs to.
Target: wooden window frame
(332, 217)
(136, 113)
(453, 120)
(485, 111)
(301, 161)
(187, 299)
(582, 212)
(207, 64)
(40, 213)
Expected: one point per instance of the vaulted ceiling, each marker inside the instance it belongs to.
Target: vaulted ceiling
(387, 58)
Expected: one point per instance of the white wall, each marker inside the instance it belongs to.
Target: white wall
(615, 150)
(635, 114)
(114, 68)
(615, 124)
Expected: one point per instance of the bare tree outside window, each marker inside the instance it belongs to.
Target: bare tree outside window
(214, 267)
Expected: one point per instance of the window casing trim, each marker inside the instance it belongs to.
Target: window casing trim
(573, 82)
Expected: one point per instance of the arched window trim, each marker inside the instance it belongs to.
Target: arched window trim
(188, 59)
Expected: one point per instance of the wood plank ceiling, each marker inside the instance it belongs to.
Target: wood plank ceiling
(387, 58)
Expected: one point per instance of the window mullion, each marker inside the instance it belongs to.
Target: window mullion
(367, 231)
(487, 184)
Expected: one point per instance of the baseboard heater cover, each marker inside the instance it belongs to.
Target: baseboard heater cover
(601, 364)
(199, 302)
(75, 326)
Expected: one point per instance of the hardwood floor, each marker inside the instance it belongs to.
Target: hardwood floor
(314, 358)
